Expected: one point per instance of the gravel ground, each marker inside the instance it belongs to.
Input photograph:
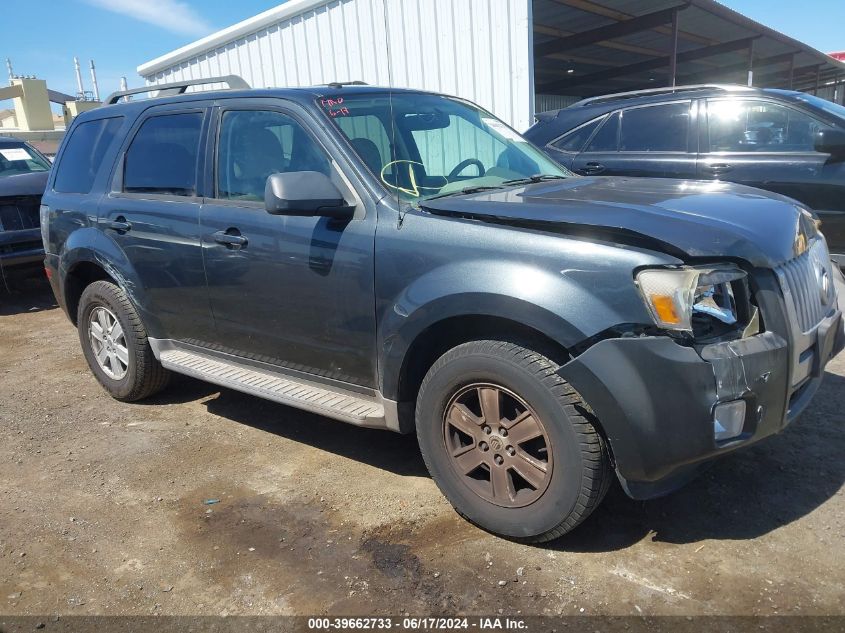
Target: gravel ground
(207, 502)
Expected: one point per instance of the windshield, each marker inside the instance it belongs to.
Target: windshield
(20, 158)
(823, 104)
(424, 145)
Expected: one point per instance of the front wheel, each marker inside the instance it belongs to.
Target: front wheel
(115, 344)
(509, 442)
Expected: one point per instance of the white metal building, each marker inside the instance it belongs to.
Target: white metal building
(429, 44)
(506, 55)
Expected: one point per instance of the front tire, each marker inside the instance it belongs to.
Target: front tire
(115, 344)
(510, 444)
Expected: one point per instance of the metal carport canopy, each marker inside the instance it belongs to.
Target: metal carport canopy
(591, 47)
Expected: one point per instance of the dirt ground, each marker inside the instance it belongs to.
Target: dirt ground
(104, 510)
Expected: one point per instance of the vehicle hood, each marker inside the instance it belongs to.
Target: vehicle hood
(24, 184)
(684, 218)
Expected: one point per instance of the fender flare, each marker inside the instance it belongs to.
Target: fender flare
(395, 348)
(89, 245)
(559, 304)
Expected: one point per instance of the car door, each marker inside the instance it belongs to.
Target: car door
(770, 145)
(152, 214)
(295, 292)
(655, 140)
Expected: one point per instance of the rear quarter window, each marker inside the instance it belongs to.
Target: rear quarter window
(606, 139)
(83, 155)
(575, 140)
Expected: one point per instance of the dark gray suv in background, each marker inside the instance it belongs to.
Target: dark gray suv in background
(404, 260)
(23, 176)
(788, 142)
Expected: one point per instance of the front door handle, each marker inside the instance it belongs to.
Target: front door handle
(120, 224)
(718, 168)
(593, 168)
(230, 237)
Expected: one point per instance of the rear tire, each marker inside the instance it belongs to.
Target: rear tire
(503, 406)
(115, 344)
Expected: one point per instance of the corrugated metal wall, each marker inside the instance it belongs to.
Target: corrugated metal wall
(334, 42)
(477, 49)
(544, 103)
(833, 93)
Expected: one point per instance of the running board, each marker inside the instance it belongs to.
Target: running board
(333, 403)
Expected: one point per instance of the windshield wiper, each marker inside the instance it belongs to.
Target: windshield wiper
(464, 191)
(506, 183)
(532, 179)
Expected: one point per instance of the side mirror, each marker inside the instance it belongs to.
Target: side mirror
(304, 193)
(831, 142)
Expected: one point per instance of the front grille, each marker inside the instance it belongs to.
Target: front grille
(18, 214)
(807, 284)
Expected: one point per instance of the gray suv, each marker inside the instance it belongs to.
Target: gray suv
(404, 260)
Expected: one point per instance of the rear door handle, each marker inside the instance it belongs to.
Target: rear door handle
(120, 224)
(230, 237)
(593, 168)
(718, 168)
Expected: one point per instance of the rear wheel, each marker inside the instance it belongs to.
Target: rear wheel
(115, 344)
(509, 442)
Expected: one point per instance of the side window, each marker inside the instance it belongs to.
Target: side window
(574, 141)
(253, 144)
(660, 128)
(759, 126)
(163, 155)
(605, 139)
(83, 155)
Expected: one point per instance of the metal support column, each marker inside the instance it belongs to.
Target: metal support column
(673, 56)
(751, 63)
(818, 79)
(791, 71)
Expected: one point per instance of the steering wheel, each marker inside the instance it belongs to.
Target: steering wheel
(463, 165)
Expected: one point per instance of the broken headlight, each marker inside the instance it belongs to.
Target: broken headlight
(704, 301)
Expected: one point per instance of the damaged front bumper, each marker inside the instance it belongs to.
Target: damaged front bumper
(655, 399)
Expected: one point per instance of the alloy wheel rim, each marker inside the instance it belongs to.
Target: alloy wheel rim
(108, 342)
(497, 445)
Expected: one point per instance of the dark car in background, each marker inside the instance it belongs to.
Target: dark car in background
(23, 176)
(788, 142)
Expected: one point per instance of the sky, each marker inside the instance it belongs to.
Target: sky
(814, 22)
(121, 34)
(41, 37)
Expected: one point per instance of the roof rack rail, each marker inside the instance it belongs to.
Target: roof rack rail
(179, 87)
(341, 84)
(658, 91)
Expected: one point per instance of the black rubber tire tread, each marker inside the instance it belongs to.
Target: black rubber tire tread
(597, 474)
(146, 376)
